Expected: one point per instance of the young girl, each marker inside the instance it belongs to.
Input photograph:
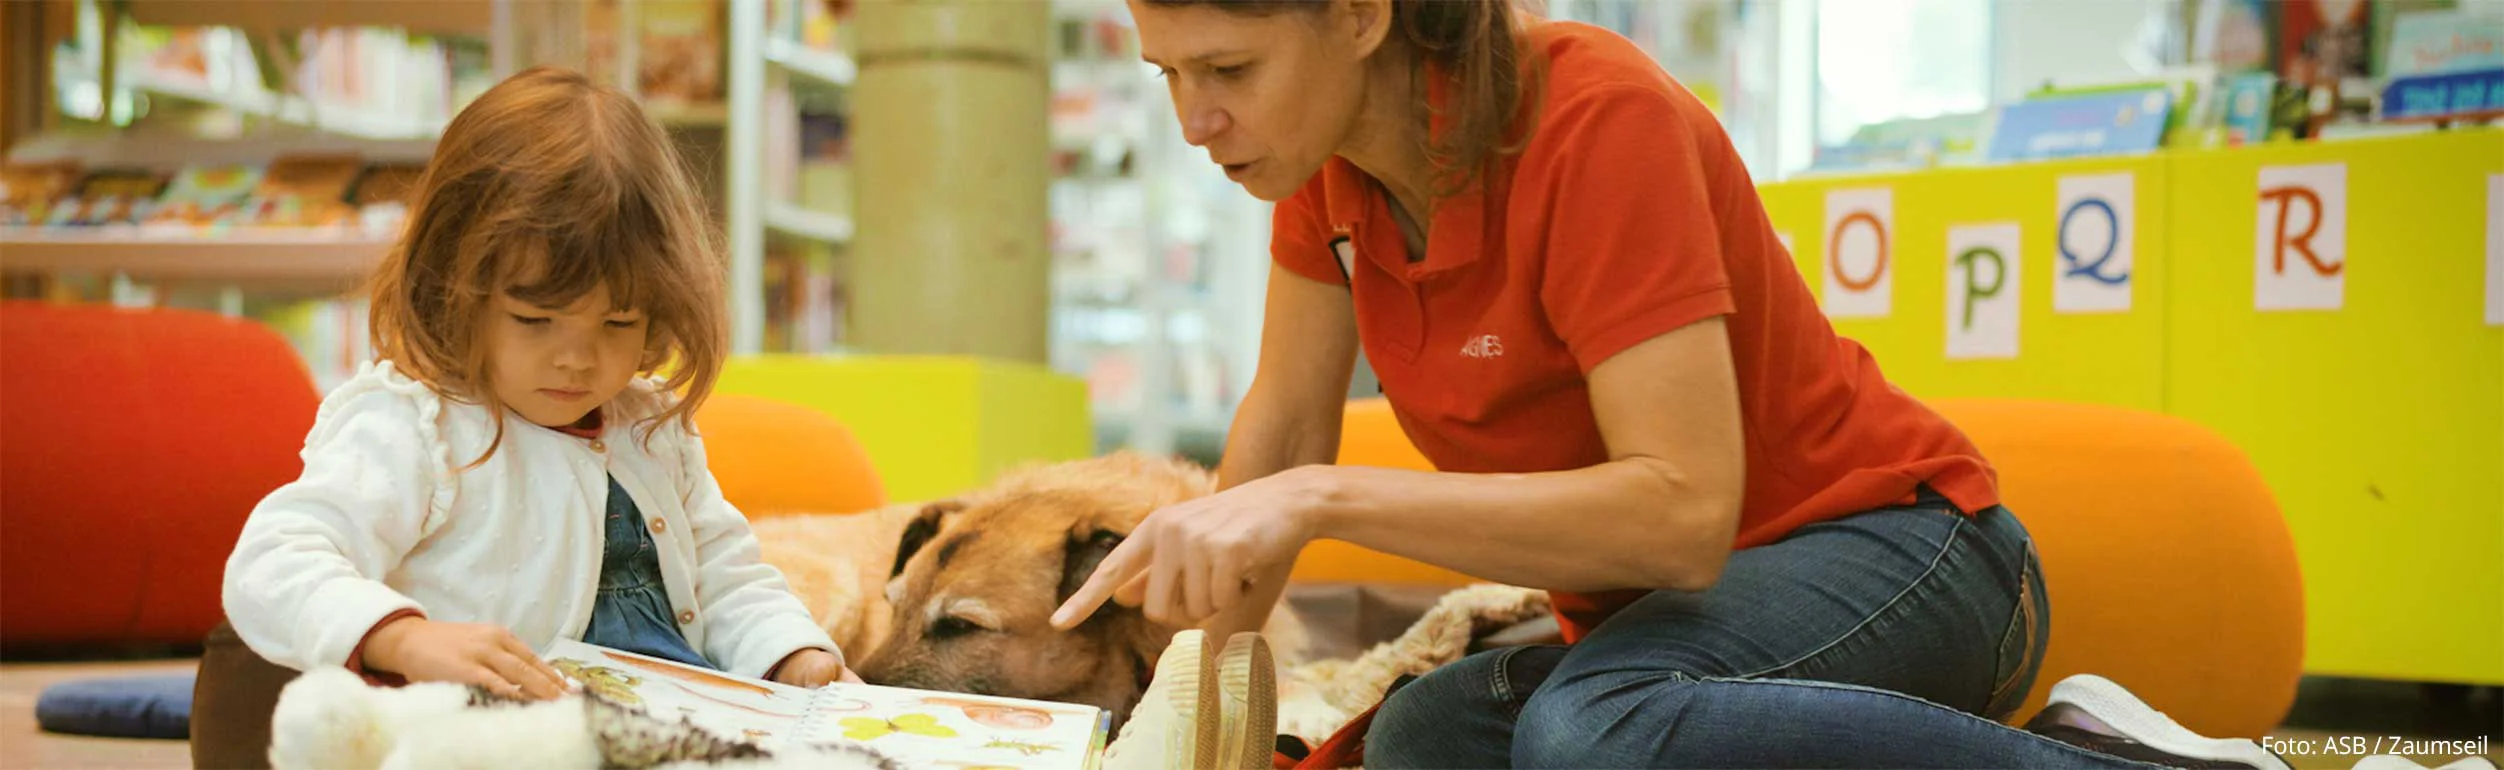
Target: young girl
(508, 473)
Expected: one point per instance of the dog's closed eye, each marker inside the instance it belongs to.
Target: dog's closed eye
(952, 627)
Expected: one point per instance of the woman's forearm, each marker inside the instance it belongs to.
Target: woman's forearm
(1264, 448)
(1633, 523)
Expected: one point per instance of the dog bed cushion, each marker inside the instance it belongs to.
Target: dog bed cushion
(128, 707)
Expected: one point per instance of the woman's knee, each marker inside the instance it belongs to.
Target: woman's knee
(1454, 716)
(1601, 719)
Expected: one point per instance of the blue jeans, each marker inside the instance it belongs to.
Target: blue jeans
(1891, 638)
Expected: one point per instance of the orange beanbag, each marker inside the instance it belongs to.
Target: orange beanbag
(1370, 436)
(775, 458)
(2169, 566)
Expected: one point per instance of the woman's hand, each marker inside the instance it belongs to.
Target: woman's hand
(489, 656)
(1186, 563)
(812, 667)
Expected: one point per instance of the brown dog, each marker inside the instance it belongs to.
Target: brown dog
(976, 580)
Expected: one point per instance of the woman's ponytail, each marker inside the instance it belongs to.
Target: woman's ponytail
(1477, 48)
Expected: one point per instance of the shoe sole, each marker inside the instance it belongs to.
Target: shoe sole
(1190, 665)
(2116, 707)
(1249, 679)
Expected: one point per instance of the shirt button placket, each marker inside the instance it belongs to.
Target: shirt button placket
(599, 459)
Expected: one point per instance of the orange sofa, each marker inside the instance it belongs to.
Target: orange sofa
(134, 443)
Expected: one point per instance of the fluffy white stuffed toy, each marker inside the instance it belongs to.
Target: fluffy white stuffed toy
(332, 720)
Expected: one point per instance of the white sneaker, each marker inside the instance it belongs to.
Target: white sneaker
(2094, 713)
(1248, 684)
(1175, 724)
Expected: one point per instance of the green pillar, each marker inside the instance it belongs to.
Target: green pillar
(952, 149)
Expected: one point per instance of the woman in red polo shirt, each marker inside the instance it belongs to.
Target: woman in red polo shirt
(1763, 553)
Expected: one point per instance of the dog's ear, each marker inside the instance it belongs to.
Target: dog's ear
(1085, 552)
(924, 527)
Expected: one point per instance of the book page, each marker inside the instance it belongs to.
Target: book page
(923, 728)
(732, 707)
(920, 728)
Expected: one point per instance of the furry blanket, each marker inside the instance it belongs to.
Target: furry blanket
(1315, 699)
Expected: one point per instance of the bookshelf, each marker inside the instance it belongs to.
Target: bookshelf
(247, 157)
(461, 18)
(781, 54)
(284, 256)
(1160, 264)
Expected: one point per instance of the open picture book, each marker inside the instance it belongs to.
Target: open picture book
(920, 728)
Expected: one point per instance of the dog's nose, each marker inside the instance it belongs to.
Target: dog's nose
(883, 670)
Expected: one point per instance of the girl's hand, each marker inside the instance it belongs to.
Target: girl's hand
(489, 656)
(812, 668)
(1186, 563)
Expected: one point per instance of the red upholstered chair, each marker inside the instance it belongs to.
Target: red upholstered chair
(133, 444)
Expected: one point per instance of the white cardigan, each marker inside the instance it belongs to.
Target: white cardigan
(385, 519)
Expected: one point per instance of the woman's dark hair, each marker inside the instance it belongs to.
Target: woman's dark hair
(1478, 50)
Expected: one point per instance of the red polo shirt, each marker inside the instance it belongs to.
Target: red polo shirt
(1627, 215)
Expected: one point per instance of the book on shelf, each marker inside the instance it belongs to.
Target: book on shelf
(376, 82)
(804, 297)
(677, 47)
(330, 335)
(2430, 41)
(2082, 123)
(918, 728)
(1954, 139)
(310, 194)
(2246, 108)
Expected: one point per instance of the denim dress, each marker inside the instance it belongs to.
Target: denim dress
(632, 611)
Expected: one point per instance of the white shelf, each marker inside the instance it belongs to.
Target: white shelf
(164, 149)
(466, 18)
(690, 115)
(296, 110)
(798, 222)
(259, 256)
(829, 68)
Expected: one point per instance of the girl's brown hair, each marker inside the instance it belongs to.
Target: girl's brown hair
(1478, 49)
(545, 188)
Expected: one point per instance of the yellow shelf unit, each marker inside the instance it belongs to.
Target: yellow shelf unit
(2379, 425)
